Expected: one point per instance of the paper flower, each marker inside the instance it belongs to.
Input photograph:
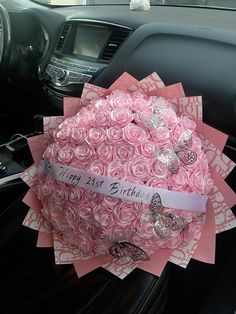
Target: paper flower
(129, 177)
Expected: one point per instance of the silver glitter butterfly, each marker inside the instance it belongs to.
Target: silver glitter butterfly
(182, 149)
(168, 157)
(126, 249)
(151, 122)
(164, 222)
(181, 152)
(121, 246)
(154, 120)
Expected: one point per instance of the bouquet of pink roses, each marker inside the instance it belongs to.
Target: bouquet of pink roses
(128, 178)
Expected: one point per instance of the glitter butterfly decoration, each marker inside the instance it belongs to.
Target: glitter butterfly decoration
(183, 148)
(182, 152)
(126, 249)
(164, 222)
(154, 121)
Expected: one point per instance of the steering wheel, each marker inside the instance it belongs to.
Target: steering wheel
(5, 38)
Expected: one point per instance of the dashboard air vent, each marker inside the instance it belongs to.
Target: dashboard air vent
(64, 32)
(115, 41)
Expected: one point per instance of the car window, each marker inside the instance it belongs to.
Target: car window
(208, 3)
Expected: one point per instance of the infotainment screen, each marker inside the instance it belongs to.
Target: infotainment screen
(89, 41)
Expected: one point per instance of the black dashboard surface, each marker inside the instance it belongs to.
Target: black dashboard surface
(194, 46)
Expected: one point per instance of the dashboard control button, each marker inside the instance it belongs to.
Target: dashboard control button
(91, 69)
(85, 78)
(61, 75)
(82, 67)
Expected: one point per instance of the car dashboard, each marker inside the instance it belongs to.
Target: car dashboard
(95, 44)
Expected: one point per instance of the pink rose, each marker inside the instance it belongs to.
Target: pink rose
(147, 149)
(59, 222)
(101, 234)
(129, 178)
(52, 151)
(66, 154)
(197, 181)
(68, 122)
(84, 118)
(115, 170)
(82, 242)
(170, 118)
(71, 215)
(60, 194)
(75, 194)
(84, 153)
(78, 135)
(141, 104)
(46, 214)
(143, 119)
(92, 197)
(101, 104)
(125, 214)
(113, 135)
(85, 228)
(85, 210)
(139, 167)
(63, 134)
(95, 136)
(121, 117)
(124, 152)
(161, 135)
(55, 207)
(67, 235)
(158, 168)
(178, 181)
(156, 182)
(103, 215)
(134, 134)
(45, 189)
(120, 99)
(97, 167)
(110, 201)
(105, 152)
(101, 118)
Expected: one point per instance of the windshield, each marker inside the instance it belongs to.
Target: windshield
(208, 3)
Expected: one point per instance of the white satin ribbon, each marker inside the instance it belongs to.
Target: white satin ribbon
(124, 190)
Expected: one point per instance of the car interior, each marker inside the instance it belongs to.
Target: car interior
(47, 53)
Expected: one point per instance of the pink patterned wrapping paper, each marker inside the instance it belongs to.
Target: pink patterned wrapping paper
(45, 239)
(219, 216)
(191, 106)
(71, 106)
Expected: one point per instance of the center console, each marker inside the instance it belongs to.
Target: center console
(84, 49)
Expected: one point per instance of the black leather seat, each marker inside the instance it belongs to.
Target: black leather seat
(30, 282)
